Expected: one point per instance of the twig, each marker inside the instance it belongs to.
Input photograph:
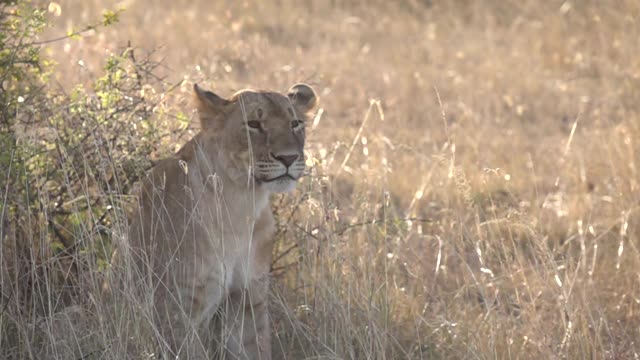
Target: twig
(64, 37)
(283, 254)
(375, 221)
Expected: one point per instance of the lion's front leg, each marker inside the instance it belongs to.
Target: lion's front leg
(183, 308)
(245, 316)
(247, 332)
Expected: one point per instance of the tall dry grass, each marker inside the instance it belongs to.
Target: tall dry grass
(473, 189)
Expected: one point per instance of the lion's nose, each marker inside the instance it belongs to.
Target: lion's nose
(287, 160)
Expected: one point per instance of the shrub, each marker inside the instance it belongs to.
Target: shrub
(67, 161)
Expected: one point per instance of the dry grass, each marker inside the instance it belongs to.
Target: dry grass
(475, 183)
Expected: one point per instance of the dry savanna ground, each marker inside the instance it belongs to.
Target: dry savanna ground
(474, 180)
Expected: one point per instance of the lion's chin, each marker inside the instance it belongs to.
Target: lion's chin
(280, 184)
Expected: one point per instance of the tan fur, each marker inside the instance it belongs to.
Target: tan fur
(202, 236)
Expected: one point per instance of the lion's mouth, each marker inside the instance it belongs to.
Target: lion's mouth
(281, 177)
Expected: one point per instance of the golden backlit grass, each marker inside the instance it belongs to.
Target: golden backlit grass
(474, 188)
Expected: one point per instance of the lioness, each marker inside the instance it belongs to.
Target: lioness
(202, 236)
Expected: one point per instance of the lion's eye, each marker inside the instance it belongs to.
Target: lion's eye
(295, 124)
(254, 124)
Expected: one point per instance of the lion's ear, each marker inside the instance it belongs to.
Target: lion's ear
(303, 96)
(210, 107)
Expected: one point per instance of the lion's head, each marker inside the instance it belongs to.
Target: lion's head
(257, 137)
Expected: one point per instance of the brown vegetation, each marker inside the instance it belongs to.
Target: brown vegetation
(474, 182)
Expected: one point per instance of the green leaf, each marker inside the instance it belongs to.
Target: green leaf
(110, 17)
(73, 34)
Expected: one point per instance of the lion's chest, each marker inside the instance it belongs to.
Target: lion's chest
(224, 258)
(223, 270)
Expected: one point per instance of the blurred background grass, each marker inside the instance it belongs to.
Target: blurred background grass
(474, 188)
